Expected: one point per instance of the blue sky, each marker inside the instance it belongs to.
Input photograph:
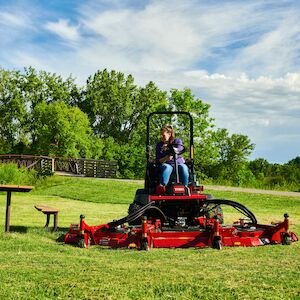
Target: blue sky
(241, 57)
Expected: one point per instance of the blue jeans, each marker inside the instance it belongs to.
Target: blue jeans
(166, 171)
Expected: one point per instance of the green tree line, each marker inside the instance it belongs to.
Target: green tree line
(42, 113)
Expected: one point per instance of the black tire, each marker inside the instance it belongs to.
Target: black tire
(286, 239)
(217, 243)
(140, 192)
(144, 245)
(133, 208)
(81, 243)
(238, 206)
(141, 197)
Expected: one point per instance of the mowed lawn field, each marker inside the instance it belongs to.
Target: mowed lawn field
(33, 265)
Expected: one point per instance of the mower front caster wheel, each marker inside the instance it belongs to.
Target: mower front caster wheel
(217, 243)
(82, 244)
(286, 239)
(144, 245)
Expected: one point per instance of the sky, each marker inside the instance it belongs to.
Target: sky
(241, 57)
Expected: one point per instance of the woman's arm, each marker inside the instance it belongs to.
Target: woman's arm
(161, 153)
(165, 158)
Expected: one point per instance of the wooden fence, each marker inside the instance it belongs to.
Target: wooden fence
(46, 165)
(87, 167)
(43, 164)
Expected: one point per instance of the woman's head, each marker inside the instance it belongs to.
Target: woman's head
(167, 133)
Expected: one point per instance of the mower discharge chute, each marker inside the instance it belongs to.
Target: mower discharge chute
(179, 218)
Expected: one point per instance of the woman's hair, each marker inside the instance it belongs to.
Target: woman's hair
(169, 129)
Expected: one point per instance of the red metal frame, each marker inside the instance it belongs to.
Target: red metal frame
(209, 233)
(178, 197)
(206, 231)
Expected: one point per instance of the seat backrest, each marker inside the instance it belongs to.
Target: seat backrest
(151, 177)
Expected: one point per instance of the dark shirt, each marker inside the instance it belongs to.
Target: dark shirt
(160, 153)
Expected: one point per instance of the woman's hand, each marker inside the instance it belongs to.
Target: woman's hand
(166, 158)
(165, 147)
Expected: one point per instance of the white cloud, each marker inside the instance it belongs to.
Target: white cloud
(64, 30)
(274, 52)
(153, 41)
(11, 20)
(176, 35)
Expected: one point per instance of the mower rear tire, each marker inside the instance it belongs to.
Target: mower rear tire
(133, 208)
(141, 197)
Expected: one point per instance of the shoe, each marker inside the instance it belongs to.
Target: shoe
(160, 189)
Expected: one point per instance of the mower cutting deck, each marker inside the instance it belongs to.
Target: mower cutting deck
(180, 217)
(204, 232)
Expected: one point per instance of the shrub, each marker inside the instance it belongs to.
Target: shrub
(11, 174)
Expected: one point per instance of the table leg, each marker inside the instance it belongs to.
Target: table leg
(47, 219)
(55, 221)
(7, 216)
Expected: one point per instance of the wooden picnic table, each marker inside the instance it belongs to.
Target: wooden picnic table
(9, 189)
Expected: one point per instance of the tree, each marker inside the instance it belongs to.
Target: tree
(184, 100)
(63, 131)
(234, 148)
(116, 106)
(44, 87)
(260, 167)
(294, 162)
(12, 110)
(48, 87)
(233, 152)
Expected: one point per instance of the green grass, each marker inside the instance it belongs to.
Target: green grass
(89, 189)
(34, 266)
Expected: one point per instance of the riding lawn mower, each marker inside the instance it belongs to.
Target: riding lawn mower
(181, 216)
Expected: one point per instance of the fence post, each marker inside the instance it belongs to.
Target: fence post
(52, 165)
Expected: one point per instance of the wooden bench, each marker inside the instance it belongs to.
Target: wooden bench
(47, 210)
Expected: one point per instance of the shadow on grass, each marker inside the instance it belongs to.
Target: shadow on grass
(62, 229)
(28, 229)
(19, 229)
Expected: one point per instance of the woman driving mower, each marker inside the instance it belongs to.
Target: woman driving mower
(165, 158)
